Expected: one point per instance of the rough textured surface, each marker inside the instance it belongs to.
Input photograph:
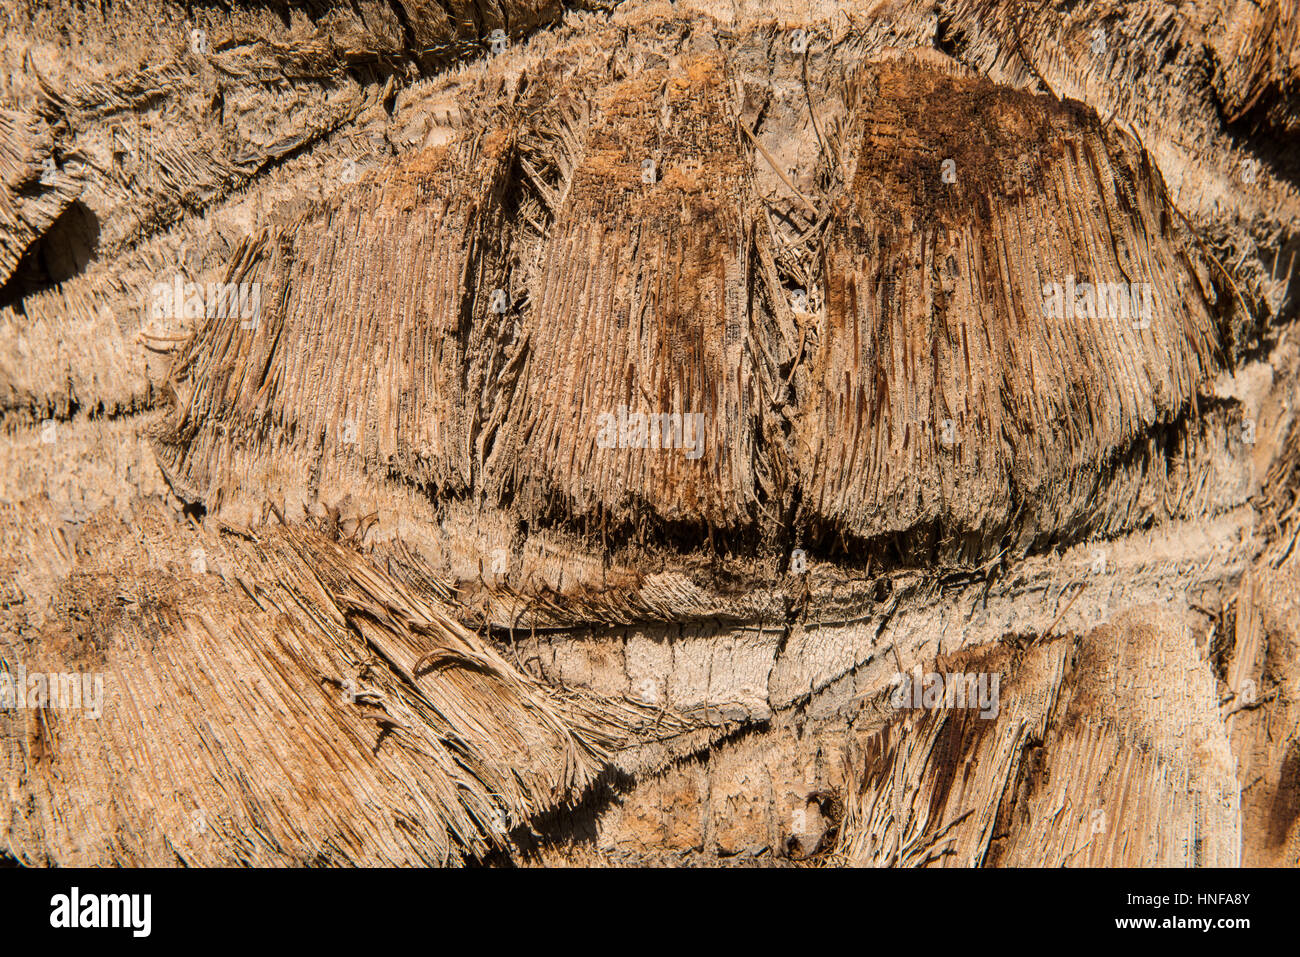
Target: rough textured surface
(380, 572)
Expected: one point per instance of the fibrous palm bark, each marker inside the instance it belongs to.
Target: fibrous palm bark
(556, 433)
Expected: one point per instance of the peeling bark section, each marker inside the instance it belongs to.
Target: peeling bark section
(641, 310)
(349, 369)
(950, 386)
(273, 698)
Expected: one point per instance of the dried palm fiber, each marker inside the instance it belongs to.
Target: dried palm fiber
(1260, 669)
(152, 146)
(933, 314)
(1137, 757)
(927, 786)
(178, 131)
(34, 190)
(943, 390)
(348, 367)
(1257, 654)
(1279, 498)
(59, 347)
(1259, 52)
(647, 271)
(768, 790)
(282, 700)
(786, 649)
(65, 350)
(1108, 750)
(1206, 85)
(184, 127)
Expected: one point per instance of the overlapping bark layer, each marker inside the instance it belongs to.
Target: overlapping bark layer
(370, 579)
